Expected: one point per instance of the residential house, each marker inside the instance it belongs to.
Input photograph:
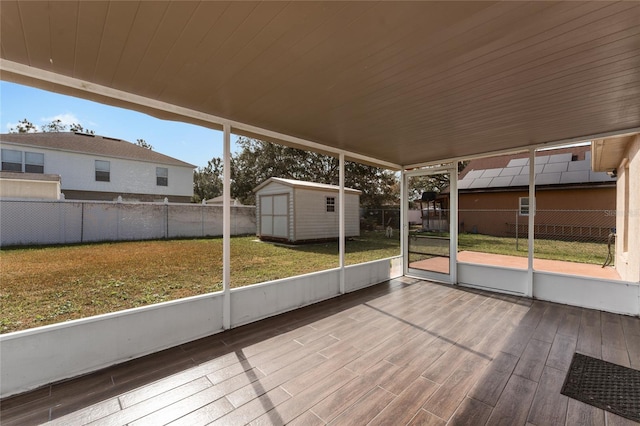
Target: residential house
(93, 167)
(571, 198)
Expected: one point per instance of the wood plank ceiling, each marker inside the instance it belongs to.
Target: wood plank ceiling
(403, 82)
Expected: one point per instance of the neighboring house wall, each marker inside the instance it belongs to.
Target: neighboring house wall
(628, 214)
(495, 213)
(132, 174)
(34, 186)
(125, 176)
(312, 221)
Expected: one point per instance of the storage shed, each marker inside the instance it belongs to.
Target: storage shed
(297, 211)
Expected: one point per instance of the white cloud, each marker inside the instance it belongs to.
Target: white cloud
(66, 119)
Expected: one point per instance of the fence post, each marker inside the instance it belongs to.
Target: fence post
(517, 229)
(166, 218)
(81, 222)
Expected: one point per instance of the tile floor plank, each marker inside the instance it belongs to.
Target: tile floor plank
(490, 385)
(514, 403)
(407, 404)
(422, 353)
(532, 361)
(549, 405)
(470, 413)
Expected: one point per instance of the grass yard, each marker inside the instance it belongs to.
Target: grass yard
(53, 284)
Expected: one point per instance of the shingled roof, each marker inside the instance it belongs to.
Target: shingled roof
(84, 143)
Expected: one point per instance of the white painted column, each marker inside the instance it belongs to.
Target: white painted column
(453, 226)
(404, 222)
(226, 229)
(531, 217)
(341, 231)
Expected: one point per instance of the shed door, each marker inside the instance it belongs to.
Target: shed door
(274, 215)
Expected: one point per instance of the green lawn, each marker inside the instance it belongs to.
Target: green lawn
(53, 284)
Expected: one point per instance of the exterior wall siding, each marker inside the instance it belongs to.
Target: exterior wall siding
(501, 222)
(628, 261)
(77, 173)
(312, 221)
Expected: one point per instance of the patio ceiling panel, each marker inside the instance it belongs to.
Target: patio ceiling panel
(402, 82)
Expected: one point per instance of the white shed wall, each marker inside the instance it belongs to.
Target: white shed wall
(312, 221)
(128, 176)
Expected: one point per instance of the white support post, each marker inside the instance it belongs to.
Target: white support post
(453, 225)
(404, 222)
(531, 217)
(341, 231)
(226, 229)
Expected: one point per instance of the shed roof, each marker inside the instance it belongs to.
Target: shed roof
(566, 166)
(84, 143)
(402, 83)
(304, 184)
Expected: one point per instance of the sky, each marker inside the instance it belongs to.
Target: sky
(186, 142)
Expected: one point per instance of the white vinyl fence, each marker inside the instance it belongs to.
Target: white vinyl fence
(27, 222)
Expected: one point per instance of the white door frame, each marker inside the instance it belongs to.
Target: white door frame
(452, 169)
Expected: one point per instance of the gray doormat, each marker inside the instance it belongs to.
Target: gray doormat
(604, 385)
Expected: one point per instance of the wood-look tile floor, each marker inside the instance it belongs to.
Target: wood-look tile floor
(402, 352)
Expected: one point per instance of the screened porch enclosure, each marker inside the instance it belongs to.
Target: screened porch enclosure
(403, 86)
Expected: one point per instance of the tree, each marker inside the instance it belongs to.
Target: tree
(75, 127)
(144, 144)
(54, 126)
(24, 126)
(261, 160)
(207, 181)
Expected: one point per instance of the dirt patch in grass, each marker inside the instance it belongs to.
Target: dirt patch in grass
(48, 285)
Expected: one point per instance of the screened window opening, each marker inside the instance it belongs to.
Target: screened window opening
(103, 173)
(33, 162)
(162, 176)
(523, 206)
(11, 160)
(331, 204)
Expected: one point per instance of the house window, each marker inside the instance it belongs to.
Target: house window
(162, 176)
(11, 160)
(103, 173)
(523, 206)
(331, 204)
(33, 162)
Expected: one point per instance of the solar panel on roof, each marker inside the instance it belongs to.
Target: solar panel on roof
(560, 158)
(518, 162)
(501, 181)
(579, 165)
(555, 167)
(548, 178)
(575, 177)
(491, 173)
(511, 171)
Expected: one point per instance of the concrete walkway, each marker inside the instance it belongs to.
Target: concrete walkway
(441, 264)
